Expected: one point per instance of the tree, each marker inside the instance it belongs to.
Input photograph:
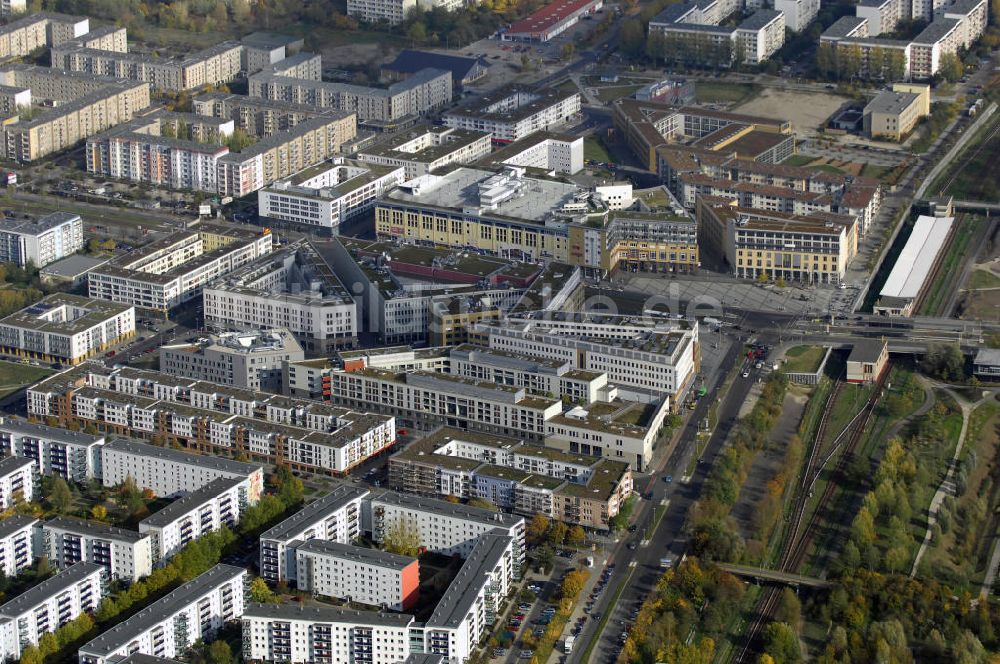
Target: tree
(632, 38)
(544, 555)
(558, 532)
(219, 652)
(484, 504)
(60, 498)
(537, 527)
(781, 643)
(567, 50)
(48, 645)
(789, 609)
(950, 67)
(31, 655)
(402, 537)
(944, 361)
(99, 513)
(576, 536)
(863, 528)
(259, 592)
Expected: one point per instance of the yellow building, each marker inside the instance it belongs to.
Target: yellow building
(893, 115)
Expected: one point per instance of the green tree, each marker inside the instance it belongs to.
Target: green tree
(537, 527)
(944, 361)
(576, 536)
(48, 645)
(31, 655)
(60, 497)
(863, 529)
(261, 593)
(219, 652)
(782, 643)
(789, 609)
(484, 504)
(950, 67)
(402, 537)
(544, 556)
(632, 38)
(567, 50)
(558, 532)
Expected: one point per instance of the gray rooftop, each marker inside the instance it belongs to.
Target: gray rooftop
(117, 637)
(866, 350)
(759, 19)
(314, 512)
(359, 554)
(987, 357)
(94, 529)
(843, 26)
(89, 313)
(45, 432)
(891, 102)
(147, 451)
(268, 40)
(139, 658)
(325, 614)
(12, 524)
(31, 598)
(936, 31)
(458, 599)
(36, 226)
(11, 464)
(444, 508)
(535, 100)
(73, 266)
(190, 502)
(964, 7)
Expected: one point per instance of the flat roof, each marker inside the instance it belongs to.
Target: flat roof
(988, 356)
(45, 590)
(74, 266)
(12, 464)
(938, 29)
(94, 529)
(918, 257)
(92, 312)
(463, 591)
(43, 431)
(12, 524)
(410, 60)
(451, 139)
(867, 350)
(37, 226)
(123, 633)
(315, 511)
(549, 16)
(844, 26)
(191, 501)
(325, 614)
(534, 102)
(891, 102)
(359, 554)
(759, 19)
(148, 451)
(444, 508)
(265, 39)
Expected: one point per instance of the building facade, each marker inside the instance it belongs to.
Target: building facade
(72, 455)
(126, 555)
(17, 544)
(42, 241)
(17, 481)
(513, 113)
(248, 360)
(367, 576)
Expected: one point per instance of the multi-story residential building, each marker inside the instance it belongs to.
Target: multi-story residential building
(302, 65)
(798, 13)
(168, 472)
(219, 503)
(470, 606)
(171, 271)
(81, 105)
(168, 627)
(293, 289)
(264, 117)
(544, 150)
(248, 360)
(11, 7)
(72, 455)
(21, 37)
(443, 527)
(306, 435)
(426, 90)
(17, 544)
(972, 16)
(40, 241)
(394, 11)
(693, 32)
(261, 49)
(760, 36)
(524, 478)
(46, 607)
(105, 38)
(513, 113)
(17, 480)
(882, 15)
(66, 328)
(125, 554)
(427, 148)
(335, 517)
(307, 634)
(328, 195)
(367, 576)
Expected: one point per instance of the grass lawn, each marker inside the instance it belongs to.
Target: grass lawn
(710, 92)
(611, 93)
(803, 359)
(13, 377)
(829, 168)
(967, 227)
(983, 279)
(798, 160)
(978, 169)
(873, 171)
(593, 149)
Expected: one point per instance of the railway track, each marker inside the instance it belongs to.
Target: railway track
(973, 155)
(800, 537)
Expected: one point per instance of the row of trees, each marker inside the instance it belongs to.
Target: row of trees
(851, 62)
(70, 635)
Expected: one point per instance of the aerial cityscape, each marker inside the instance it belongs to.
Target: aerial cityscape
(499, 331)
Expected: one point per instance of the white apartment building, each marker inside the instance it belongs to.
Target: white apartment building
(394, 11)
(512, 113)
(294, 289)
(360, 574)
(972, 16)
(168, 627)
(17, 544)
(882, 15)
(48, 606)
(17, 480)
(248, 360)
(126, 554)
(426, 148)
(329, 194)
(40, 241)
(66, 328)
(168, 472)
(168, 272)
(11, 7)
(444, 527)
(798, 13)
(72, 455)
(548, 151)
(302, 634)
(219, 503)
(469, 607)
(760, 36)
(336, 517)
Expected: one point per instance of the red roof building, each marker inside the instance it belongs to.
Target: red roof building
(551, 20)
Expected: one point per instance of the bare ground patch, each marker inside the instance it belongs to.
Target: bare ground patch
(805, 110)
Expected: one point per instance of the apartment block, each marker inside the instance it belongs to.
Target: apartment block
(17, 545)
(66, 328)
(329, 194)
(219, 503)
(72, 455)
(168, 627)
(46, 607)
(308, 66)
(173, 270)
(21, 37)
(125, 554)
(367, 576)
(261, 49)
(264, 117)
(248, 360)
(426, 148)
(513, 113)
(427, 90)
(293, 289)
(798, 13)
(168, 472)
(40, 241)
(17, 481)
(546, 151)
(106, 38)
(335, 517)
